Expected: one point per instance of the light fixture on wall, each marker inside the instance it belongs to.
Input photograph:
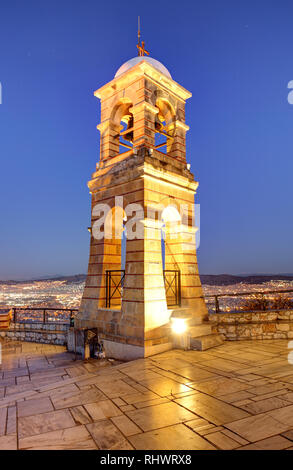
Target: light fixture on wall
(178, 325)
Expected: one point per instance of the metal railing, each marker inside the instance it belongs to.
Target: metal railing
(262, 300)
(172, 282)
(254, 300)
(115, 281)
(114, 286)
(43, 315)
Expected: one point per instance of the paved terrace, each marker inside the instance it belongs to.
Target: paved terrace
(236, 396)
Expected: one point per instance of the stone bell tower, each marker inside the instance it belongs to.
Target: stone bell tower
(143, 188)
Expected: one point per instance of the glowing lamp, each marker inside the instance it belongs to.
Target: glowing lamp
(178, 325)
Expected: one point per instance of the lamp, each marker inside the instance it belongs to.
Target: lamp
(180, 327)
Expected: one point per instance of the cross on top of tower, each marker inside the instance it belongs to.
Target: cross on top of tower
(141, 49)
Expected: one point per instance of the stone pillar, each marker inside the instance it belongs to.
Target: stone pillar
(144, 308)
(105, 254)
(109, 142)
(180, 254)
(144, 124)
(176, 147)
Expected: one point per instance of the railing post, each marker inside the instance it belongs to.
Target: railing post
(14, 315)
(217, 304)
(179, 288)
(176, 288)
(44, 316)
(109, 288)
(107, 294)
(71, 319)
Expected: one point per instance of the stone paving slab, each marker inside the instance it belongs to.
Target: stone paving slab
(65, 439)
(236, 396)
(107, 436)
(159, 416)
(45, 422)
(34, 407)
(177, 437)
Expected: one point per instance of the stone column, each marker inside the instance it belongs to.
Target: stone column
(105, 254)
(109, 143)
(180, 254)
(176, 147)
(144, 124)
(144, 308)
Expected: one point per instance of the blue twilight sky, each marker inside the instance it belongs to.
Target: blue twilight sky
(235, 57)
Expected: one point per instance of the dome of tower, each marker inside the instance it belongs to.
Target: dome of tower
(132, 62)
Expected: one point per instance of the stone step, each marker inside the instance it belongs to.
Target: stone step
(187, 315)
(179, 312)
(203, 329)
(201, 343)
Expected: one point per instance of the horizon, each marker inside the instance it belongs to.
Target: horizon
(65, 276)
(234, 58)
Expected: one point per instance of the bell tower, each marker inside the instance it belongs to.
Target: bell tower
(143, 269)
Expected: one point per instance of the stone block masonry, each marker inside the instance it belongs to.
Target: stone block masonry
(5, 318)
(276, 324)
(47, 333)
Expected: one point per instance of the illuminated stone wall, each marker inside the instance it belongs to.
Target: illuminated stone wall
(48, 333)
(254, 325)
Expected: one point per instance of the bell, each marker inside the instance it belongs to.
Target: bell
(159, 126)
(129, 135)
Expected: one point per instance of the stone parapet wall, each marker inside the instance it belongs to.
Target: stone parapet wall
(48, 333)
(276, 324)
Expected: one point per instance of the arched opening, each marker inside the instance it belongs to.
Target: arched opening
(164, 125)
(122, 122)
(171, 223)
(115, 264)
